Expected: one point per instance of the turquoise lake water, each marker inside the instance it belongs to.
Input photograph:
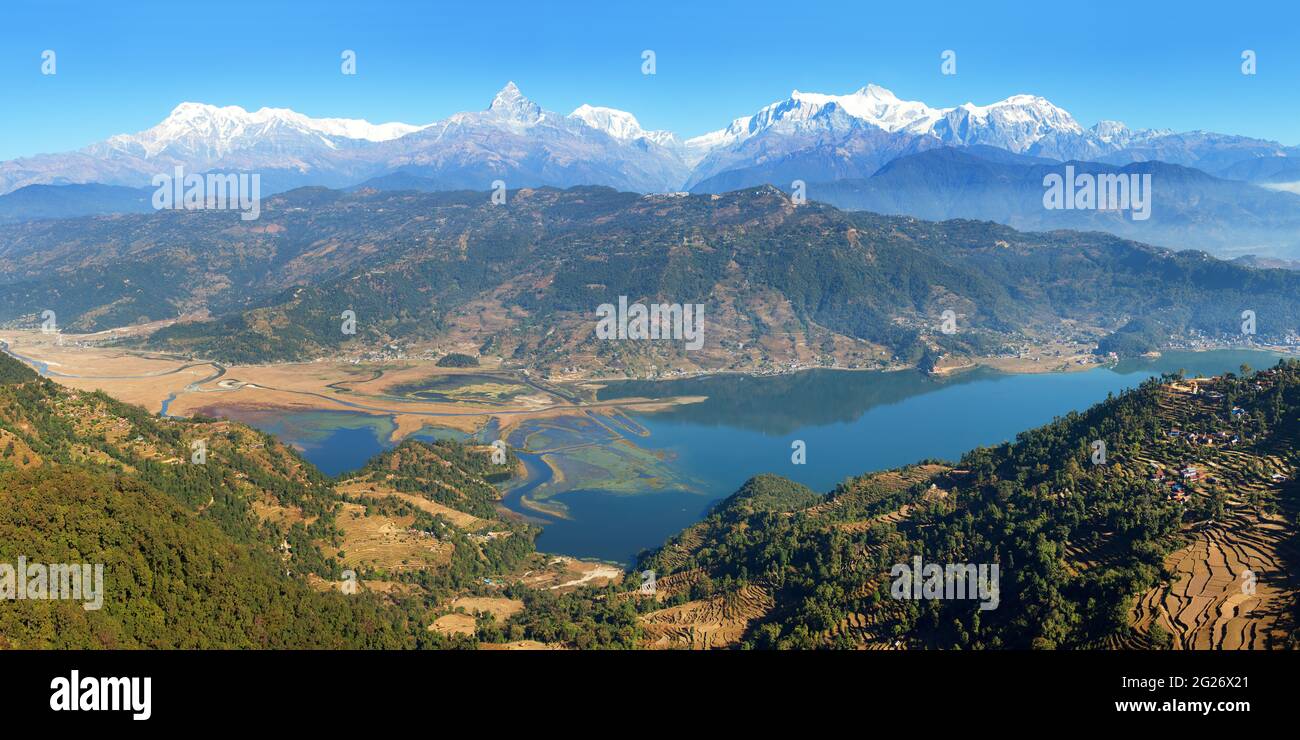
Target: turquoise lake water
(850, 423)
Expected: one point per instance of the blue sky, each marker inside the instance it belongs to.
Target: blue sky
(122, 66)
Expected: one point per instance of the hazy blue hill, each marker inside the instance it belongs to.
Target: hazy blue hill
(64, 201)
(1265, 170)
(399, 181)
(1190, 209)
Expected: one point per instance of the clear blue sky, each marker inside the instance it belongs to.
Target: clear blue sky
(122, 66)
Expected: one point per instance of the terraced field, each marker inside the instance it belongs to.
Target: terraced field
(718, 621)
(725, 618)
(1231, 585)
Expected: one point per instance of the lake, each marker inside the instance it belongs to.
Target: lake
(850, 423)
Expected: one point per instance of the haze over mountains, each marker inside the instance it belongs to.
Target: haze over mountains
(1190, 209)
(815, 138)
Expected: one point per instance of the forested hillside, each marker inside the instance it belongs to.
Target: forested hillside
(196, 553)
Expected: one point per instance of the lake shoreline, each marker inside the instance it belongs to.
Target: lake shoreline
(1010, 366)
(1006, 404)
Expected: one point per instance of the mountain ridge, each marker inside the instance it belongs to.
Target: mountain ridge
(538, 147)
(421, 270)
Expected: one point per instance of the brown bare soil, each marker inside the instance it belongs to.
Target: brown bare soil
(16, 452)
(521, 645)
(499, 607)
(716, 622)
(460, 519)
(564, 574)
(454, 624)
(388, 542)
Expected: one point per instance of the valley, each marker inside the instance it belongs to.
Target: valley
(608, 467)
(437, 532)
(176, 386)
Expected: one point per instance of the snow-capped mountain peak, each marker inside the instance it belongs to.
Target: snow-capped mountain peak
(808, 135)
(1023, 108)
(619, 124)
(1110, 131)
(1014, 123)
(511, 104)
(875, 105)
(213, 131)
(187, 116)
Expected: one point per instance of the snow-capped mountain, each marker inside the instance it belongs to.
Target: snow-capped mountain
(511, 106)
(514, 139)
(872, 104)
(1015, 124)
(810, 136)
(517, 141)
(834, 136)
(289, 148)
(620, 124)
(821, 138)
(803, 113)
(206, 132)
